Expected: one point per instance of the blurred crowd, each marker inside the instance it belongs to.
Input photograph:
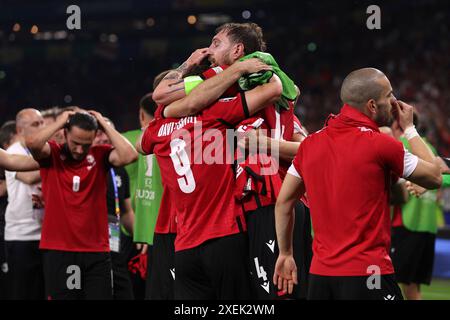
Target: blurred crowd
(316, 46)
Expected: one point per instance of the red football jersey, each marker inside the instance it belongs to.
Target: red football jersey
(76, 217)
(397, 219)
(196, 167)
(346, 168)
(256, 185)
(279, 124)
(166, 222)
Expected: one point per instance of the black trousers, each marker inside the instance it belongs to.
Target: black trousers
(77, 275)
(25, 271)
(263, 250)
(412, 254)
(215, 270)
(161, 267)
(4, 287)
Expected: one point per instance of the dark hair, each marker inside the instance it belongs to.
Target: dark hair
(199, 68)
(249, 34)
(147, 104)
(159, 78)
(7, 131)
(83, 121)
(60, 111)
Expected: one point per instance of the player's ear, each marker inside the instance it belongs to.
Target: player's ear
(372, 106)
(238, 50)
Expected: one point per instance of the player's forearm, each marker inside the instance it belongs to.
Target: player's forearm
(37, 141)
(29, 177)
(210, 90)
(171, 87)
(125, 150)
(421, 149)
(169, 91)
(16, 162)
(127, 218)
(2, 188)
(286, 149)
(284, 224)
(399, 194)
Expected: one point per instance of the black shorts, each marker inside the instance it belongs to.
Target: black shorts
(25, 275)
(353, 288)
(214, 270)
(161, 268)
(263, 251)
(412, 254)
(4, 288)
(77, 275)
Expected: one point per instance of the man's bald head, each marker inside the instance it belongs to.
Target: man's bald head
(362, 85)
(25, 115)
(28, 121)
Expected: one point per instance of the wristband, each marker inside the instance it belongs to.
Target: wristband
(191, 82)
(410, 133)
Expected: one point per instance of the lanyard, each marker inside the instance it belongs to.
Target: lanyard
(116, 194)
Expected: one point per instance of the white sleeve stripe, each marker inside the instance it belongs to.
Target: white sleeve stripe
(409, 164)
(293, 171)
(297, 128)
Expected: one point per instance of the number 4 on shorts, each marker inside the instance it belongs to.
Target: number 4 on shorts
(260, 270)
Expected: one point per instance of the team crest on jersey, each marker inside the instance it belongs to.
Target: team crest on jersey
(90, 159)
(364, 129)
(217, 69)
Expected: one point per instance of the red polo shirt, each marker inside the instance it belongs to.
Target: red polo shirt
(346, 168)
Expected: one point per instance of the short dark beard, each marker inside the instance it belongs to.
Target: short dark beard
(68, 154)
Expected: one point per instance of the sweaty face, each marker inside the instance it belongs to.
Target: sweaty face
(386, 108)
(79, 142)
(220, 50)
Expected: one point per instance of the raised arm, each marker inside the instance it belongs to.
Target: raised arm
(38, 145)
(124, 152)
(17, 162)
(171, 87)
(210, 90)
(263, 95)
(428, 172)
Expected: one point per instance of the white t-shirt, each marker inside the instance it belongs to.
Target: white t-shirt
(23, 223)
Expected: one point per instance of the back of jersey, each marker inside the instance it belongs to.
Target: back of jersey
(196, 166)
